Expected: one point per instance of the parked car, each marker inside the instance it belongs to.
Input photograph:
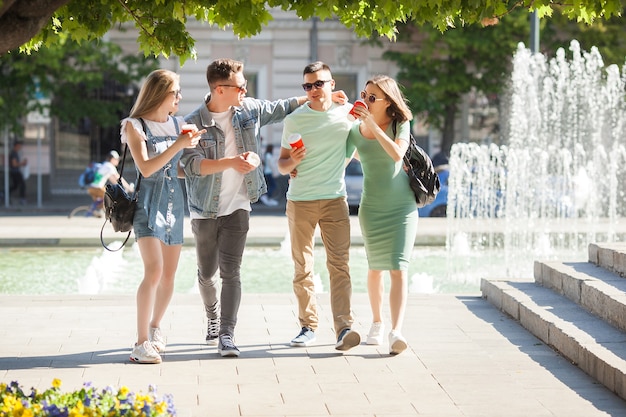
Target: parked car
(354, 187)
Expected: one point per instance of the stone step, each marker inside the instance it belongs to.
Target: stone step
(611, 256)
(596, 289)
(595, 346)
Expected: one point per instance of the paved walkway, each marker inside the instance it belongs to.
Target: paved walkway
(465, 357)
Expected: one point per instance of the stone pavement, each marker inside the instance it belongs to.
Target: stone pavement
(465, 357)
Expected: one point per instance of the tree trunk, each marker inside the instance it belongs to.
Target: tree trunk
(447, 134)
(21, 20)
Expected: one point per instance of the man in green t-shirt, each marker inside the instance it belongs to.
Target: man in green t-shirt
(317, 196)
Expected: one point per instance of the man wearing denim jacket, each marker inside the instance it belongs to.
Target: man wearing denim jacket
(222, 180)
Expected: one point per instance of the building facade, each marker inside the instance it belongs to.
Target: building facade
(274, 60)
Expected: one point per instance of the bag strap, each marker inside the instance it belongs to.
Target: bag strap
(138, 180)
(105, 245)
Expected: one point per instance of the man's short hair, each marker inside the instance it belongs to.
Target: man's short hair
(221, 70)
(315, 67)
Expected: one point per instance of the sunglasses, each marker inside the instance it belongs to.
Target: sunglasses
(177, 93)
(317, 84)
(242, 88)
(371, 98)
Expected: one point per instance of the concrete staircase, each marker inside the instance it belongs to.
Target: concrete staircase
(577, 308)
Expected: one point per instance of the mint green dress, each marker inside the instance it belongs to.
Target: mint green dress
(387, 213)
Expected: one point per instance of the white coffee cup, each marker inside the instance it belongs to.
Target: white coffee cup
(253, 158)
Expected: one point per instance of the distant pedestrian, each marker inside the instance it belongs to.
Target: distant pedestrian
(16, 165)
(270, 170)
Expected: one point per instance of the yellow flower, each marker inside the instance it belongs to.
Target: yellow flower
(144, 398)
(160, 407)
(11, 403)
(14, 402)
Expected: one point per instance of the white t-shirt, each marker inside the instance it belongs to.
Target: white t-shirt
(156, 128)
(233, 194)
(103, 174)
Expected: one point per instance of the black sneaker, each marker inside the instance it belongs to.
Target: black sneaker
(212, 331)
(348, 339)
(304, 338)
(226, 346)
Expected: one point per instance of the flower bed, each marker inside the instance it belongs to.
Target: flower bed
(85, 402)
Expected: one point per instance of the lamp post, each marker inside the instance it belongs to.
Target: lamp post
(534, 32)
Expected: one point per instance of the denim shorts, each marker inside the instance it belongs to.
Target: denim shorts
(160, 211)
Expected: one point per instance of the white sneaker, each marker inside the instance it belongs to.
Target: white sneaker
(145, 353)
(212, 331)
(397, 343)
(375, 336)
(156, 338)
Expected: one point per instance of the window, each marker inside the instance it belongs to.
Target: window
(253, 84)
(347, 83)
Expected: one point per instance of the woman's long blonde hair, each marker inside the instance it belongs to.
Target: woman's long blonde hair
(154, 90)
(398, 110)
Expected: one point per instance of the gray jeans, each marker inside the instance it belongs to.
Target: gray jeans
(220, 243)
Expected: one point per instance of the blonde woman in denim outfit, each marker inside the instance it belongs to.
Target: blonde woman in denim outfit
(158, 222)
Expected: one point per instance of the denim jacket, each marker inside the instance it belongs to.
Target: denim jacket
(203, 191)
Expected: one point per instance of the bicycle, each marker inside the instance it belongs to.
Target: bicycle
(92, 210)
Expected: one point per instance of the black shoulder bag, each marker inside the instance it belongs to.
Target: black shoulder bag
(423, 179)
(119, 207)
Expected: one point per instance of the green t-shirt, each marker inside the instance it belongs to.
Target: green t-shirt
(321, 173)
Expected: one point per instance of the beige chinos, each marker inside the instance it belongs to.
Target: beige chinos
(332, 216)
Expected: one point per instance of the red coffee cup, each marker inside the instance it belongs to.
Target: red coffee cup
(188, 128)
(352, 116)
(295, 140)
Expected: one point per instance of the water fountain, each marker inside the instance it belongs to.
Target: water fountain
(553, 186)
(557, 182)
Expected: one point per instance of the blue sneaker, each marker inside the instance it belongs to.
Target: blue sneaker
(305, 338)
(348, 339)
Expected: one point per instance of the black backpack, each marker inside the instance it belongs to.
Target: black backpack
(423, 179)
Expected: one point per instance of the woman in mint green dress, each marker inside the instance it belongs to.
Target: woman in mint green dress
(387, 212)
